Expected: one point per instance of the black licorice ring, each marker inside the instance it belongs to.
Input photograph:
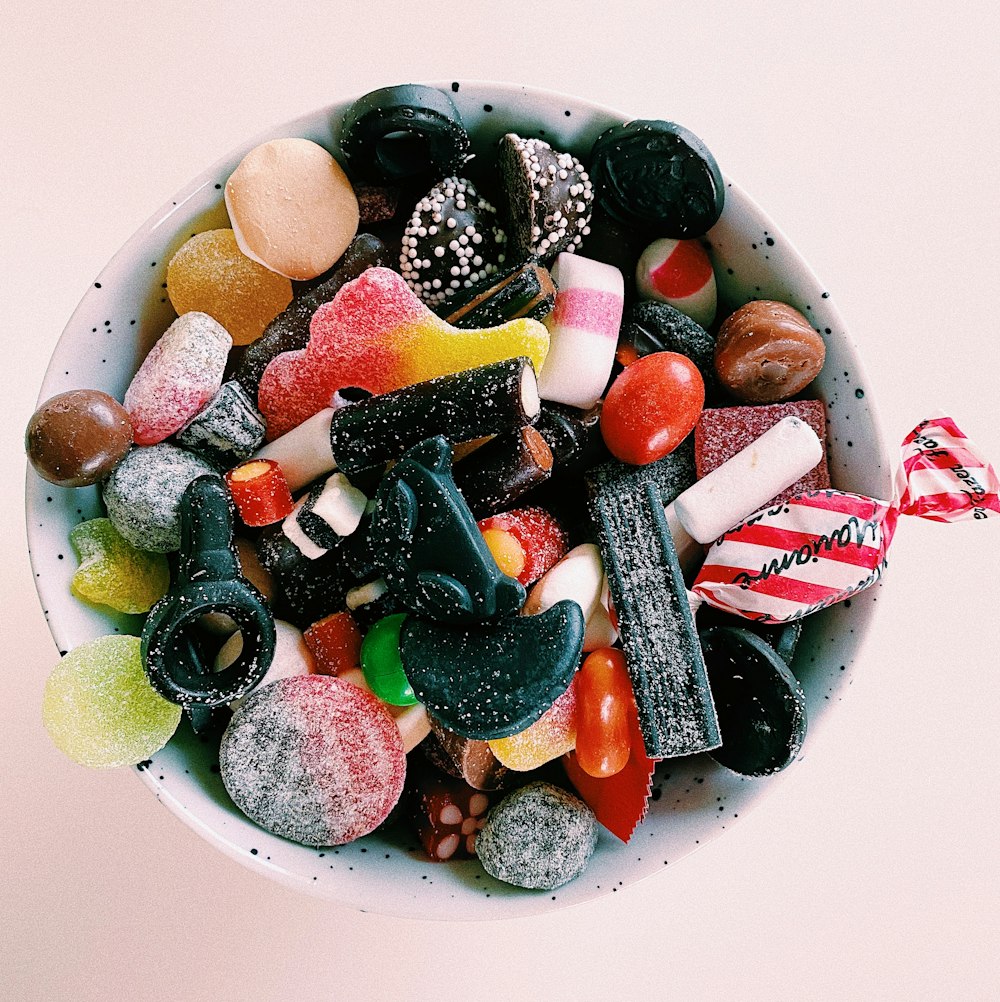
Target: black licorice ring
(208, 581)
(401, 132)
(759, 702)
(658, 175)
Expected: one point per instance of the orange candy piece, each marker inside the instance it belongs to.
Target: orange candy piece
(604, 693)
(552, 735)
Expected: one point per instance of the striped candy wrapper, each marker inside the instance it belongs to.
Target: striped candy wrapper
(821, 547)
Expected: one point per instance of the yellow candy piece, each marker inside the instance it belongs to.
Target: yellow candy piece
(100, 709)
(549, 737)
(113, 572)
(210, 274)
(506, 550)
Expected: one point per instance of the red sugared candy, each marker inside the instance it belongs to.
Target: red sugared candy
(538, 540)
(335, 642)
(604, 696)
(448, 814)
(652, 407)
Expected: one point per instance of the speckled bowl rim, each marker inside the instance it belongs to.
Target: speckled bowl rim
(515, 903)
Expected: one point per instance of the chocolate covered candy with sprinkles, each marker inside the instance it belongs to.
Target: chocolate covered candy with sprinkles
(549, 198)
(451, 242)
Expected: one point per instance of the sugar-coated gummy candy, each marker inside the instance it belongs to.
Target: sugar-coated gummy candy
(451, 242)
(292, 208)
(767, 352)
(551, 735)
(113, 572)
(227, 429)
(679, 272)
(537, 837)
(657, 175)
(99, 708)
(181, 373)
(143, 493)
(549, 197)
(402, 132)
(652, 407)
(335, 642)
(411, 721)
(314, 759)
(378, 336)
(210, 274)
(77, 438)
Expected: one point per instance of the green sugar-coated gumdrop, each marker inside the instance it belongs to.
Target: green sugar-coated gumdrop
(100, 709)
(113, 572)
(381, 663)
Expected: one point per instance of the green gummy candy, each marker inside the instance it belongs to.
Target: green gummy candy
(113, 572)
(381, 664)
(100, 709)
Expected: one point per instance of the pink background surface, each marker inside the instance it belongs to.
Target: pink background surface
(873, 142)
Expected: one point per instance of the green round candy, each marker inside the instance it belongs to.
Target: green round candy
(381, 664)
(100, 709)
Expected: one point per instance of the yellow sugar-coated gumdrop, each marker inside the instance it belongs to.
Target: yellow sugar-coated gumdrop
(210, 274)
(552, 735)
(100, 709)
(113, 572)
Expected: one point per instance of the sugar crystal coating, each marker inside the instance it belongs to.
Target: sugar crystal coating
(539, 836)
(313, 759)
(99, 708)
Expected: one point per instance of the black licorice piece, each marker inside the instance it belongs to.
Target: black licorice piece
(493, 477)
(208, 580)
(652, 326)
(761, 706)
(574, 436)
(430, 550)
(549, 198)
(401, 132)
(526, 292)
(487, 400)
(289, 330)
(662, 652)
(332, 511)
(493, 680)
(657, 175)
(227, 430)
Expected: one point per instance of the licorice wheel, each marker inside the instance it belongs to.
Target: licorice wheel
(402, 132)
(759, 702)
(658, 175)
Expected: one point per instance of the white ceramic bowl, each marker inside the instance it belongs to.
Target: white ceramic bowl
(127, 309)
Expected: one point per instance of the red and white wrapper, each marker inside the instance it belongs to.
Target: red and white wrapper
(821, 547)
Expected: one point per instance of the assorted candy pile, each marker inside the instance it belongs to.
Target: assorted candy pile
(465, 521)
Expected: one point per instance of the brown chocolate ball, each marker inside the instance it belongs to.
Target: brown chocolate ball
(767, 352)
(77, 438)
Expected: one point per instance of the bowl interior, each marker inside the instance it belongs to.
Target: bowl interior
(125, 312)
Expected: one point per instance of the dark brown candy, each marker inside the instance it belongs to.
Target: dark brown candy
(549, 198)
(469, 758)
(493, 477)
(527, 291)
(767, 352)
(77, 438)
(376, 203)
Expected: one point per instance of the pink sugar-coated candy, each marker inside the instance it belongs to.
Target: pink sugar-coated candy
(584, 329)
(313, 759)
(178, 377)
(552, 735)
(413, 723)
(377, 335)
(543, 540)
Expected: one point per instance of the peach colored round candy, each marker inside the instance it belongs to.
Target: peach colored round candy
(767, 352)
(292, 208)
(210, 274)
(77, 438)
(313, 759)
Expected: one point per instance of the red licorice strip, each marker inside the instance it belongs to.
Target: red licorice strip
(260, 492)
(335, 642)
(619, 801)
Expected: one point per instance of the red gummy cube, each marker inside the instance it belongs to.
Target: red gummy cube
(335, 642)
(721, 432)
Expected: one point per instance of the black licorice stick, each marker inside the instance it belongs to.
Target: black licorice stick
(493, 477)
(662, 651)
(488, 400)
(526, 291)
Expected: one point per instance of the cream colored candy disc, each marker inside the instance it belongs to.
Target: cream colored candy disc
(292, 208)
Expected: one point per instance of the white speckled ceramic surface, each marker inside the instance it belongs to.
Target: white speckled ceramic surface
(695, 800)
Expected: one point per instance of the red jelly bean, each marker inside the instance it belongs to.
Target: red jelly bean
(603, 694)
(652, 407)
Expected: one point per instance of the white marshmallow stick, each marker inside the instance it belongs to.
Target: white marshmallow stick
(303, 453)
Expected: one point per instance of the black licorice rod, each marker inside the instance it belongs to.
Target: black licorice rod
(488, 400)
(662, 651)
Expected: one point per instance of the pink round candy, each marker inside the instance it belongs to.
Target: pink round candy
(313, 759)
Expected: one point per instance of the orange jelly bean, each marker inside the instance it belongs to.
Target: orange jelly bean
(603, 694)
